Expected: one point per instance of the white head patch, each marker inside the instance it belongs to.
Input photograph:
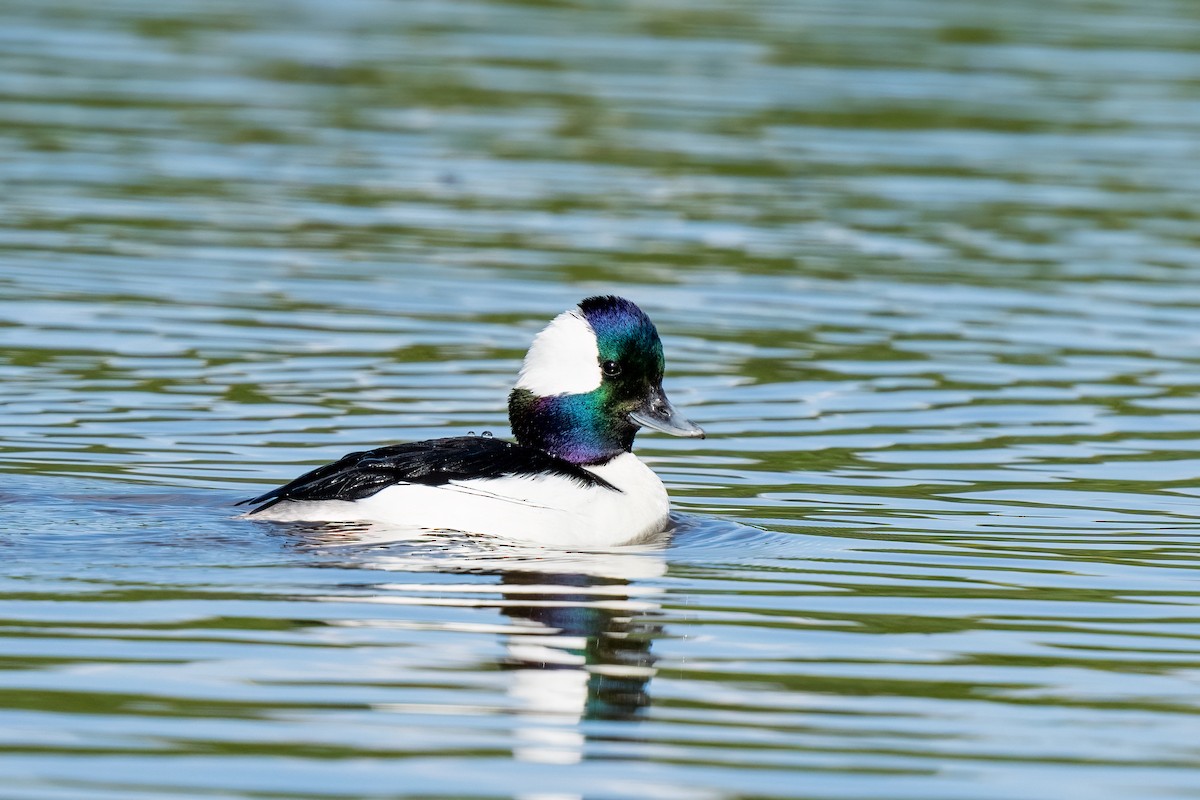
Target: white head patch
(563, 358)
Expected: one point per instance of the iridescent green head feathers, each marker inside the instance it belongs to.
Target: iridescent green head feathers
(591, 379)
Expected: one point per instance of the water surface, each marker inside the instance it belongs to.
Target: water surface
(925, 271)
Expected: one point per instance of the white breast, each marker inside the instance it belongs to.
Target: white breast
(546, 510)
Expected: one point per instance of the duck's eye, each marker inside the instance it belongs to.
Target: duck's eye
(611, 368)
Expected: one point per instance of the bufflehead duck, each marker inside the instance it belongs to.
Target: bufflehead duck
(590, 380)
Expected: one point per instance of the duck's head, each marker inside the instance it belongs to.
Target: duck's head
(591, 379)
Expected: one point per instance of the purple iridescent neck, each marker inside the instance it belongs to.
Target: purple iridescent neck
(573, 427)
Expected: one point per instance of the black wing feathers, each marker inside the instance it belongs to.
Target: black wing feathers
(433, 463)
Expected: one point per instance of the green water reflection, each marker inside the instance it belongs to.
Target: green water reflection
(925, 272)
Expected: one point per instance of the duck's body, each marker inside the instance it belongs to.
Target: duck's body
(590, 380)
(616, 502)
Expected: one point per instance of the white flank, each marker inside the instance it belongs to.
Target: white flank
(546, 510)
(563, 358)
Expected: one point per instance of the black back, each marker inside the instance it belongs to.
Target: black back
(434, 462)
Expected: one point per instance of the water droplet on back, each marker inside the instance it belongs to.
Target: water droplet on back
(487, 434)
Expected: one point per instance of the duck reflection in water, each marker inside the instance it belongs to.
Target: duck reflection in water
(579, 643)
(580, 651)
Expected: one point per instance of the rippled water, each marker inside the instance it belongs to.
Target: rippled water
(926, 271)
